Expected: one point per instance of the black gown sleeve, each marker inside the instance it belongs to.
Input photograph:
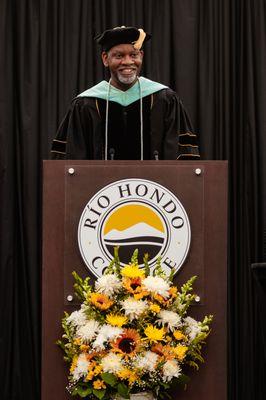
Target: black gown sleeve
(73, 137)
(179, 141)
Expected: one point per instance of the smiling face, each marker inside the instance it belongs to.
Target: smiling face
(124, 63)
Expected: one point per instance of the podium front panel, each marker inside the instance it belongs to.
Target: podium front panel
(201, 187)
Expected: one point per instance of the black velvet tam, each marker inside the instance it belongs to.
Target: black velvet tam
(119, 35)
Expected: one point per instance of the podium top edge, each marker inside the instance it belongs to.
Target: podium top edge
(138, 162)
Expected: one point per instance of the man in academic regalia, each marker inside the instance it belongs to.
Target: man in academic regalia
(129, 117)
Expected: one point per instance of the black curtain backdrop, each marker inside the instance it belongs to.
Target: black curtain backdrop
(213, 53)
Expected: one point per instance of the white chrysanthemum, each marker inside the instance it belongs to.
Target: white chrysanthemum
(193, 328)
(171, 369)
(88, 331)
(108, 284)
(169, 318)
(133, 308)
(147, 361)
(81, 368)
(106, 333)
(157, 285)
(77, 318)
(111, 363)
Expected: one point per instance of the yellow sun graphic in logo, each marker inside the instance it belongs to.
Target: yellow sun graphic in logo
(129, 215)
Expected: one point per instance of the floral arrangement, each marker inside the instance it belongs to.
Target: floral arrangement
(132, 333)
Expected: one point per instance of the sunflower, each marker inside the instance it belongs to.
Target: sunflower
(100, 301)
(128, 343)
(132, 285)
(116, 320)
(132, 271)
(154, 334)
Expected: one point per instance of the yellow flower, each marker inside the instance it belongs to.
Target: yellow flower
(100, 301)
(132, 271)
(173, 291)
(124, 373)
(95, 369)
(73, 364)
(84, 347)
(154, 334)
(99, 384)
(180, 351)
(116, 320)
(133, 377)
(127, 374)
(98, 370)
(179, 335)
(77, 341)
(159, 298)
(165, 352)
(155, 308)
(138, 296)
(89, 376)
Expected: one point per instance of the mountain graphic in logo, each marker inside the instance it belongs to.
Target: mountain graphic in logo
(134, 226)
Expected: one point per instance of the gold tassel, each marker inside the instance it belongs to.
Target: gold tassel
(138, 43)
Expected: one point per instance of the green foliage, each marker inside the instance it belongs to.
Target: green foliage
(158, 270)
(123, 390)
(67, 344)
(108, 378)
(99, 393)
(82, 391)
(171, 276)
(81, 287)
(114, 266)
(146, 265)
(134, 258)
(182, 380)
(185, 297)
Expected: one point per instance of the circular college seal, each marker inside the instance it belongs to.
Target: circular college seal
(134, 214)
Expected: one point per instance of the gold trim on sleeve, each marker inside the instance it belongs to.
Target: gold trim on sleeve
(151, 101)
(188, 155)
(187, 134)
(59, 141)
(97, 106)
(188, 145)
(60, 152)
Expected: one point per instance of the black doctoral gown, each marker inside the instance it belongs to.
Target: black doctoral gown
(167, 130)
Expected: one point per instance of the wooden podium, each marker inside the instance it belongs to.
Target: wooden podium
(201, 189)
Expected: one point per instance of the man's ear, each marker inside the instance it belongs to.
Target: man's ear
(105, 58)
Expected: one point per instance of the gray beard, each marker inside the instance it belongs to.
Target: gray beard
(127, 80)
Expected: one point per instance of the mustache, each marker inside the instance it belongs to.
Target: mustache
(127, 67)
